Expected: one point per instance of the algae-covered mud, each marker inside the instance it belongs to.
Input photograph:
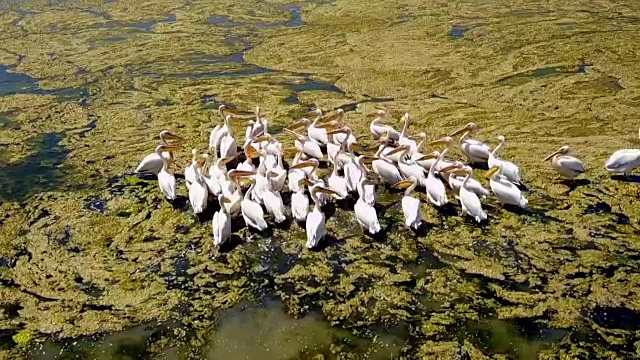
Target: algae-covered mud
(95, 264)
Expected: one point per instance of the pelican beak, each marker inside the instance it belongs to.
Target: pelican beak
(327, 191)
(303, 165)
(170, 147)
(305, 182)
(443, 141)
(241, 173)
(449, 168)
(368, 159)
(336, 131)
(552, 155)
(459, 131)
(296, 125)
(458, 171)
(492, 171)
(314, 113)
(254, 155)
(426, 157)
(397, 150)
(172, 136)
(403, 184)
(261, 139)
(249, 150)
(355, 146)
(332, 116)
(226, 159)
(226, 200)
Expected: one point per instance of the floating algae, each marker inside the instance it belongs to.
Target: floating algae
(97, 258)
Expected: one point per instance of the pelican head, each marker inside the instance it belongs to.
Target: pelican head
(305, 164)
(447, 141)
(162, 148)
(562, 151)
(376, 114)
(168, 135)
(470, 127)
(501, 138)
(303, 123)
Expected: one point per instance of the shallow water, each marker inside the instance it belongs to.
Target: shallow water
(95, 264)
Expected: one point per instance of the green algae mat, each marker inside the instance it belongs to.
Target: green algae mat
(94, 264)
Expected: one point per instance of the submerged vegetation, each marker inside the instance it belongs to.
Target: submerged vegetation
(94, 263)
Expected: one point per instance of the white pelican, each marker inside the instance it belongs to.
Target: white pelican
(213, 185)
(166, 180)
(505, 190)
(228, 146)
(385, 168)
(510, 170)
(219, 171)
(623, 161)
(388, 150)
(410, 168)
(476, 151)
(410, 204)
(337, 119)
(250, 153)
(191, 169)
(315, 224)
(370, 195)
(300, 201)
(221, 130)
(337, 183)
(304, 143)
(252, 211)
(567, 166)
(316, 133)
(221, 222)
(352, 170)
(455, 180)
(277, 175)
(260, 125)
(152, 163)
(260, 182)
(405, 138)
(234, 195)
(295, 174)
(378, 129)
(198, 193)
(333, 147)
(365, 213)
(436, 193)
(469, 201)
(273, 203)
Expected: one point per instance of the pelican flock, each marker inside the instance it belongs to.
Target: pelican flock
(398, 163)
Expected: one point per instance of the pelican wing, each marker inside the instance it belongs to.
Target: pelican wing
(151, 163)
(571, 163)
(623, 158)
